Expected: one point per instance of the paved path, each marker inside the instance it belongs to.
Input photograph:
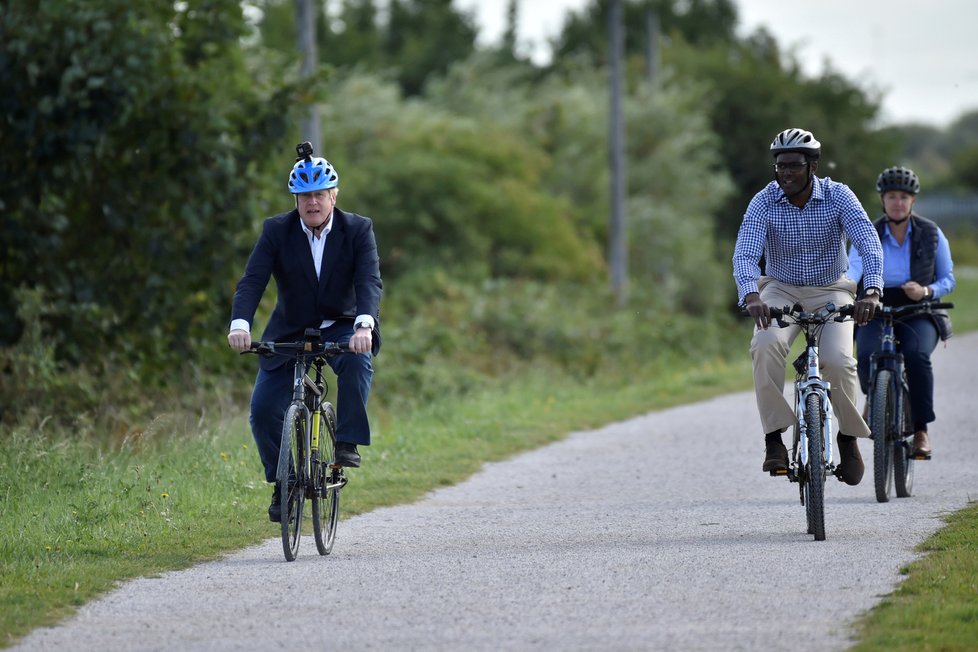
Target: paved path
(659, 533)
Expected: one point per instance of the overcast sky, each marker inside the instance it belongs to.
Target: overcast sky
(922, 54)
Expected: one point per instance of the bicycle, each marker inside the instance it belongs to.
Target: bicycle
(889, 406)
(811, 454)
(306, 468)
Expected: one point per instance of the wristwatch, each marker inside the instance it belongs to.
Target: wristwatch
(363, 324)
(872, 292)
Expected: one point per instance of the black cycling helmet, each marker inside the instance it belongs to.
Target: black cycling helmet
(796, 140)
(898, 178)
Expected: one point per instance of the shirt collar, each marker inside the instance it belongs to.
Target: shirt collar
(886, 229)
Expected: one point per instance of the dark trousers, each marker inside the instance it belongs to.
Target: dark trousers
(273, 394)
(918, 338)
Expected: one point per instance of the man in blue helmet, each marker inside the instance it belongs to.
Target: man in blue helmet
(327, 272)
(799, 223)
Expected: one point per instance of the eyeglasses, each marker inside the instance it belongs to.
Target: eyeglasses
(790, 167)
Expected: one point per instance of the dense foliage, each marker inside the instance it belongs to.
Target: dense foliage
(132, 135)
(144, 142)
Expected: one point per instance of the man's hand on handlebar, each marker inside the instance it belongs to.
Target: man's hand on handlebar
(362, 340)
(865, 309)
(758, 310)
(239, 340)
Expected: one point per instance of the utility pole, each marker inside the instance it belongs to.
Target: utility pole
(305, 22)
(651, 45)
(618, 233)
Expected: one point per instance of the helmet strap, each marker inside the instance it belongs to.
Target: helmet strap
(315, 229)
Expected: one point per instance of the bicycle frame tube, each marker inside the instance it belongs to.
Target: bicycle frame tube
(888, 358)
(299, 384)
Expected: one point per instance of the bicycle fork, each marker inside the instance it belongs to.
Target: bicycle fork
(813, 383)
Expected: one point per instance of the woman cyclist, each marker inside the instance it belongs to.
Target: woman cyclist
(917, 266)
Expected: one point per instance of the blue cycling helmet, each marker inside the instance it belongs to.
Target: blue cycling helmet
(314, 173)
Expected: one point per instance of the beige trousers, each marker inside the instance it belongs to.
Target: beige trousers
(769, 350)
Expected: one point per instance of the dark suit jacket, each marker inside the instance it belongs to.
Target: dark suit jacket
(349, 282)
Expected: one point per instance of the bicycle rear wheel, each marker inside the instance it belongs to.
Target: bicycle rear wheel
(326, 495)
(885, 439)
(291, 477)
(902, 453)
(815, 473)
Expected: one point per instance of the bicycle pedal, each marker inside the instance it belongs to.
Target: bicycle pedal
(917, 456)
(778, 472)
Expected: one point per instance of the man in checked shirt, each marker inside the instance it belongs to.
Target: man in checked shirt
(799, 224)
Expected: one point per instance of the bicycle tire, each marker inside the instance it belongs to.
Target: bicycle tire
(291, 475)
(902, 453)
(885, 437)
(325, 498)
(815, 473)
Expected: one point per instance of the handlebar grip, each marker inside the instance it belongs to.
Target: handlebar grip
(943, 305)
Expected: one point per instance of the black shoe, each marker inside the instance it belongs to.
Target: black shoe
(851, 467)
(775, 457)
(347, 455)
(275, 508)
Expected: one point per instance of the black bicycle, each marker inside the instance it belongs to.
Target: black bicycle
(306, 468)
(889, 405)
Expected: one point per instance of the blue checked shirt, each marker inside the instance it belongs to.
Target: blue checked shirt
(805, 246)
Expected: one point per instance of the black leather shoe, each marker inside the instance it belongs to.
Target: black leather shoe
(775, 457)
(347, 455)
(851, 467)
(275, 508)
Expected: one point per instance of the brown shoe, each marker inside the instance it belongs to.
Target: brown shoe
(921, 444)
(851, 467)
(775, 458)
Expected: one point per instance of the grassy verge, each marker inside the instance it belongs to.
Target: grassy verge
(936, 606)
(76, 517)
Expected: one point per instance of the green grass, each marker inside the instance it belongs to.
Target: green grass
(77, 517)
(936, 606)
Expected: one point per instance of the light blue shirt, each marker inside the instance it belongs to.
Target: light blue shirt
(896, 263)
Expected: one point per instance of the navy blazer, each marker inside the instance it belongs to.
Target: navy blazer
(349, 283)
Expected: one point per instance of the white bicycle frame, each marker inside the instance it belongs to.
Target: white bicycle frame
(813, 384)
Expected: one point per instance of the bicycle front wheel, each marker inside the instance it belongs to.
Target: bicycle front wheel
(881, 417)
(815, 473)
(326, 494)
(291, 476)
(902, 453)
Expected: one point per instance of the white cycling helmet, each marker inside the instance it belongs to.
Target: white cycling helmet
(796, 140)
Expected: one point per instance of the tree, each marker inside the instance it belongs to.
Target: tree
(703, 23)
(132, 145)
(753, 91)
(420, 38)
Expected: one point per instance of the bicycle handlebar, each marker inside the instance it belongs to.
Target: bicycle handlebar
(268, 349)
(822, 314)
(911, 308)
